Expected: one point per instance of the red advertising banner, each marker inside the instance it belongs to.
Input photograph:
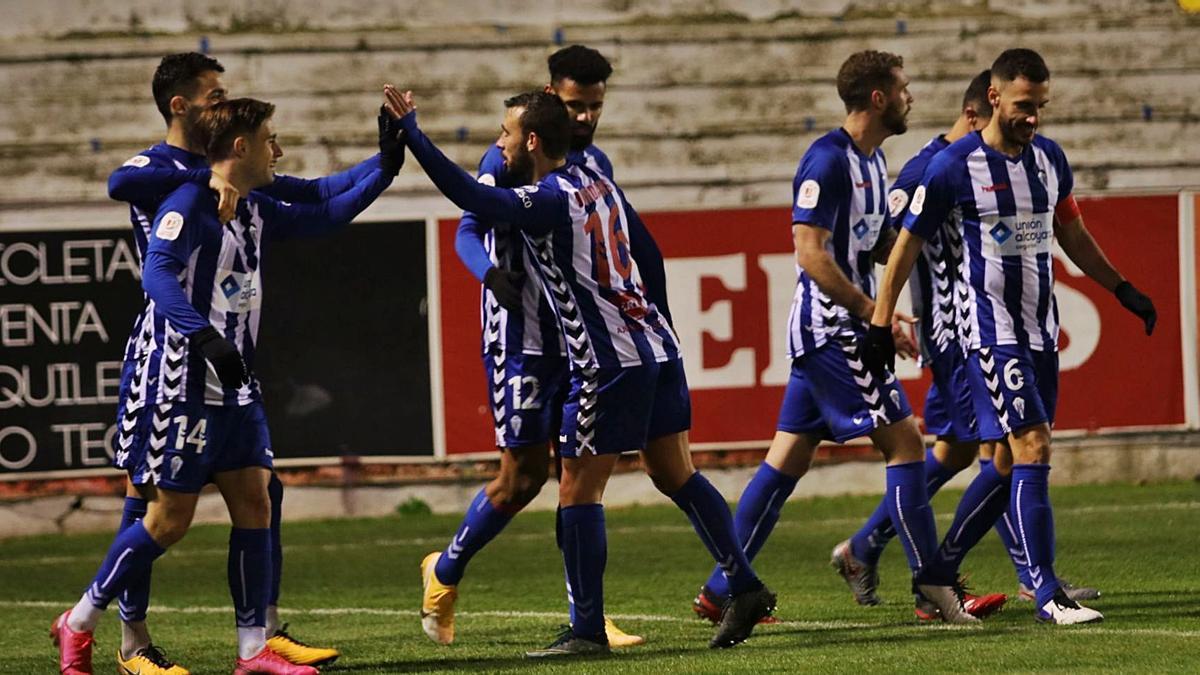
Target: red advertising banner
(730, 276)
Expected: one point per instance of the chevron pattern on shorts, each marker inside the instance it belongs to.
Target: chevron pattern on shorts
(991, 378)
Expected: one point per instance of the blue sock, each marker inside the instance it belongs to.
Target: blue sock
(757, 512)
(1006, 529)
(481, 524)
(908, 504)
(128, 560)
(1030, 502)
(135, 599)
(868, 543)
(275, 491)
(250, 574)
(585, 554)
(981, 506)
(710, 517)
(558, 541)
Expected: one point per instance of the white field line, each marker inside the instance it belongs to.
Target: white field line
(653, 618)
(438, 542)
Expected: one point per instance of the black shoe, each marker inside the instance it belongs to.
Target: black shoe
(569, 644)
(739, 616)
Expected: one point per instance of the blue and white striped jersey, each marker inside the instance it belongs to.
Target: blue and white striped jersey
(1004, 207)
(935, 296)
(576, 223)
(199, 272)
(838, 188)
(536, 331)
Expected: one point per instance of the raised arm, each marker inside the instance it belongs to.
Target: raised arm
(139, 180)
(533, 210)
(286, 220)
(306, 190)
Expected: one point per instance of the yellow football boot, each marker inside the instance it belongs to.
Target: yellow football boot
(298, 653)
(148, 660)
(437, 604)
(618, 638)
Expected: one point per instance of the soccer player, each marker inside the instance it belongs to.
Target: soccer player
(839, 225)
(523, 351)
(627, 381)
(1006, 191)
(949, 410)
(202, 280)
(183, 86)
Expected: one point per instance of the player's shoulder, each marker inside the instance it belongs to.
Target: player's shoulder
(826, 157)
(1050, 147)
(952, 160)
(190, 199)
(157, 155)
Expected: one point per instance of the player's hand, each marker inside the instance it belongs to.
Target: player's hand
(877, 349)
(398, 104)
(227, 197)
(906, 346)
(391, 142)
(1135, 301)
(506, 286)
(226, 360)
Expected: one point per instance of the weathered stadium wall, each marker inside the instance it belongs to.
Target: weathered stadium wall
(710, 108)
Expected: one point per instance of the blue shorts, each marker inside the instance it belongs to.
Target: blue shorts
(186, 443)
(949, 408)
(526, 393)
(831, 394)
(614, 410)
(1013, 387)
(129, 444)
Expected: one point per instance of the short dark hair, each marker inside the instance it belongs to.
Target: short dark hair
(582, 64)
(545, 115)
(1020, 62)
(223, 122)
(976, 95)
(863, 73)
(176, 76)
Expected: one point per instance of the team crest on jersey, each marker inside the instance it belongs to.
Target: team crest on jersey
(808, 194)
(918, 201)
(515, 423)
(895, 395)
(1019, 405)
(170, 226)
(176, 465)
(897, 200)
(137, 161)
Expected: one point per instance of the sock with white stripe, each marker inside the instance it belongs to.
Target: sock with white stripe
(128, 559)
(868, 543)
(710, 517)
(1006, 529)
(249, 584)
(1030, 502)
(480, 525)
(908, 505)
(585, 555)
(757, 512)
(981, 506)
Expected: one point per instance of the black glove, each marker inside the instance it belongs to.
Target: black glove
(391, 145)
(878, 351)
(1133, 300)
(223, 355)
(506, 286)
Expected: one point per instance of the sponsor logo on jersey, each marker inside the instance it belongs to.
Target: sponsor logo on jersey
(808, 194)
(170, 226)
(860, 229)
(524, 192)
(230, 285)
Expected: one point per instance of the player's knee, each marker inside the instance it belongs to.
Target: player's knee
(169, 527)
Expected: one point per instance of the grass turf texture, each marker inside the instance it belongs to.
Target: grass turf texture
(355, 584)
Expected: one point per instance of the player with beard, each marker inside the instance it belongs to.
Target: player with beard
(1007, 192)
(840, 224)
(949, 410)
(523, 352)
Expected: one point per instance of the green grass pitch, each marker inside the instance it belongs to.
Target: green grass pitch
(355, 584)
